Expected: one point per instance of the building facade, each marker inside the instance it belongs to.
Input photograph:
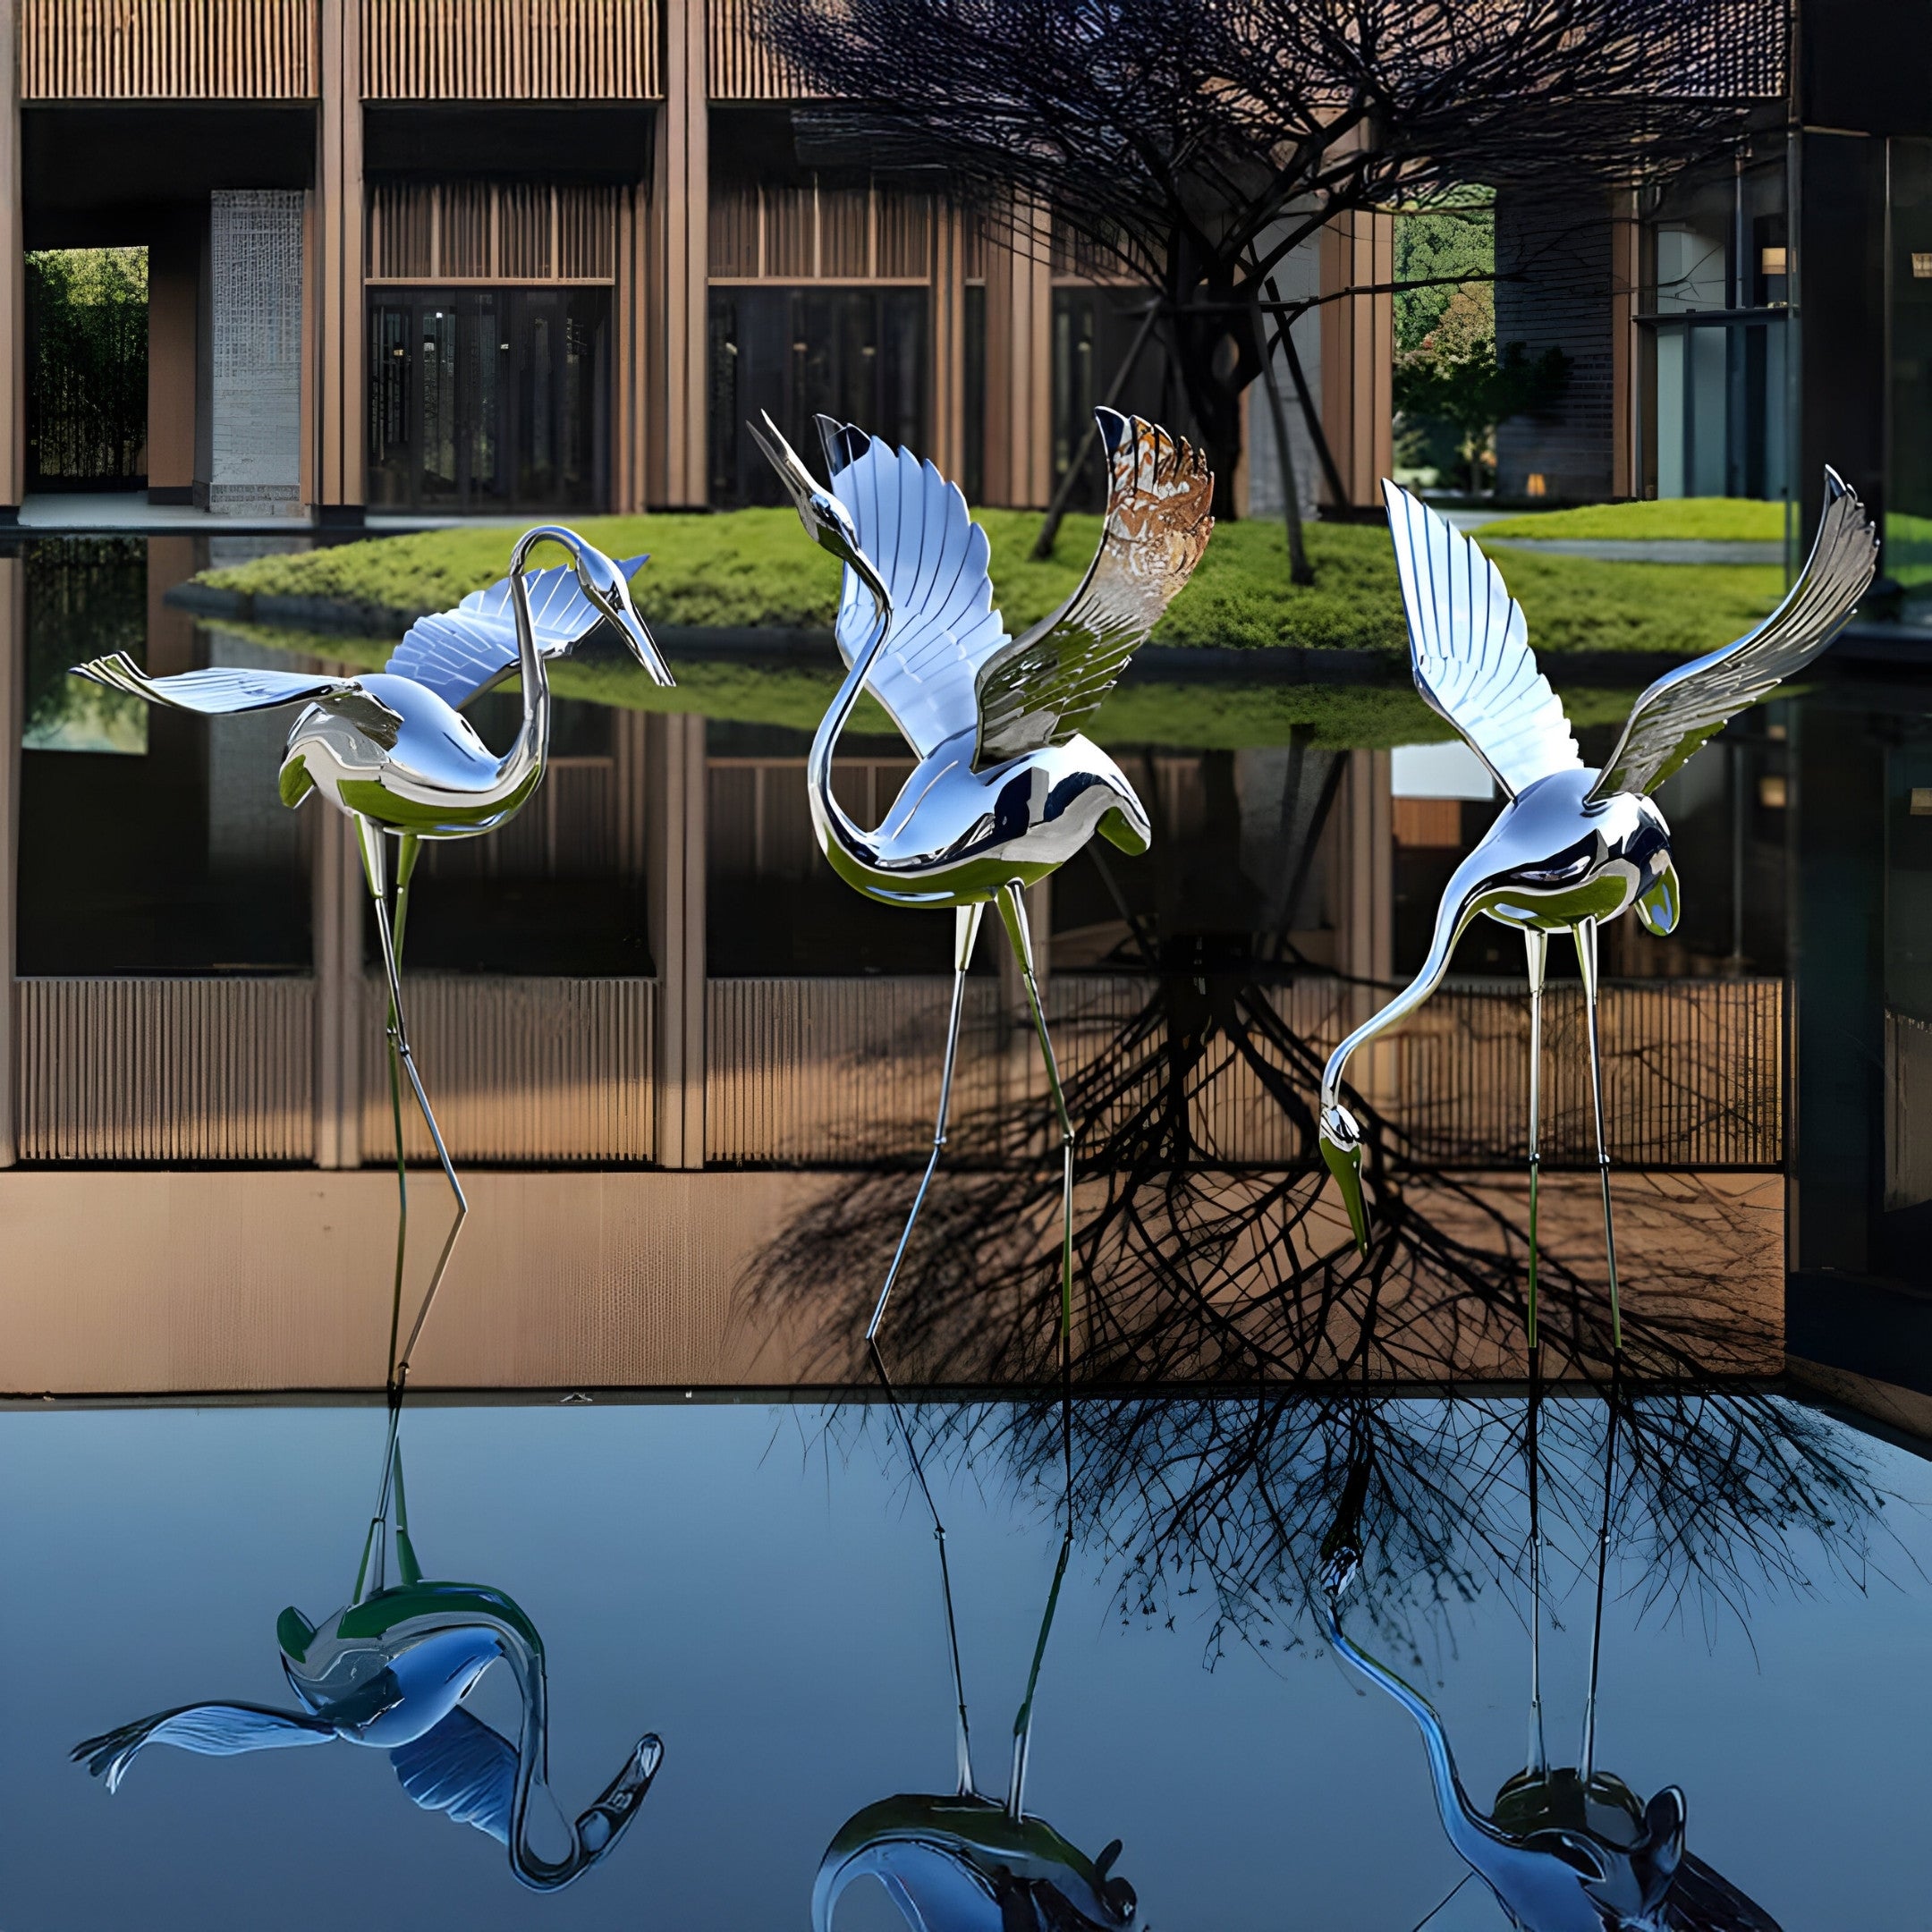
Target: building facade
(453, 256)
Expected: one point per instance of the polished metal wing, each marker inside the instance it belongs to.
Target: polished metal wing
(1686, 705)
(460, 1766)
(226, 691)
(915, 530)
(1469, 648)
(1040, 689)
(460, 654)
(211, 1730)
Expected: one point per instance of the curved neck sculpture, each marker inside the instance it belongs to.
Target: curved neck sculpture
(1006, 789)
(1572, 847)
(392, 753)
(390, 1670)
(1565, 1849)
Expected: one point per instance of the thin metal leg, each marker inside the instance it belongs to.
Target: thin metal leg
(1535, 945)
(370, 835)
(1022, 1740)
(1586, 946)
(375, 1544)
(1538, 1757)
(1012, 911)
(965, 930)
(963, 1737)
(1587, 1753)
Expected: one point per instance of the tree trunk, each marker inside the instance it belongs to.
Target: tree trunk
(1299, 569)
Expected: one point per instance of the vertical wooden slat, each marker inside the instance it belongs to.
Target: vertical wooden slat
(512, 50)
(164, 1070)
(167, 49)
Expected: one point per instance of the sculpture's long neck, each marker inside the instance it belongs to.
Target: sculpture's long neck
(525, 758)
(828, 815)
(1468, 1832)
(1459, 907)
(597, 1829)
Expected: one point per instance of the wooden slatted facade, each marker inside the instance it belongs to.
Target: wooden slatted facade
(742, 65)
(167, 49)
(524, 50)
(814, 233)
(493, 232)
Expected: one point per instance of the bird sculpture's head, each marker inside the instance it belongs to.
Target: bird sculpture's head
(1342, 1150)
(604, 585)
(827, 522)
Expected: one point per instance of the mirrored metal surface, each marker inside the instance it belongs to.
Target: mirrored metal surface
(391, 1671)
(1572, 849)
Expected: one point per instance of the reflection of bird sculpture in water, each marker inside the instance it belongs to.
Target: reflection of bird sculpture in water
(390, 1670)
(391, 750)
(1566, 1849)
(966, 1863)
(1006, 788)
(1572, 848)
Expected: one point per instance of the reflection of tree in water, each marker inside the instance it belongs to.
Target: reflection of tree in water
(85, 595)
(1715, 1496)
(1238, 1282)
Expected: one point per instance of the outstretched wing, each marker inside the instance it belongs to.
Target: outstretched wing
(1702, 1900)
(1043, 686)
(1469, 647)
(226, 691)
(914, 529)
(1687, 705)
(459, 654)
(212, 1730)
(462, 1766)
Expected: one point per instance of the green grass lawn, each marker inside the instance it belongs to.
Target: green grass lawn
(1712, 518)
(754, 567)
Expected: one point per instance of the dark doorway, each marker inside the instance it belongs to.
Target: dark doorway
(1095, 328)
(858, 354)
(86, 363)
(489, 399)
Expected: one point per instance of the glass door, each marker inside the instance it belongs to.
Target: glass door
(487, 400)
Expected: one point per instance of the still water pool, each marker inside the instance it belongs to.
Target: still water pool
(757, 1585)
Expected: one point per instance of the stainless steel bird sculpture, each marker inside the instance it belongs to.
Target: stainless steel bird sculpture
(1572, 848)
(1565, 1848)
(390, 1670)
(1006, 788)
(960, 1862)
(393, 751)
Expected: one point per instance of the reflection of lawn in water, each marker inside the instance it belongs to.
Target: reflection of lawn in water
(751, 568)
(1207, 717)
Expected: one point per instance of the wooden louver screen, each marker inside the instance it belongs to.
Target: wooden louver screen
(742, 64)
(811, 233)
(491, 232)
(167, 49)
(510, 50)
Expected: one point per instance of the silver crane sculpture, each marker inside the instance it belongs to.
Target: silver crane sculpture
(390, 1672)
(1565, 1848)
(391, 750)
(1572, 848)
(961, 1861)
(1006, 789)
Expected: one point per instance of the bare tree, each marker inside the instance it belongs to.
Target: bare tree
(1193, 147)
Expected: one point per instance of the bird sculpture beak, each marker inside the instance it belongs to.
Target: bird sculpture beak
(800, 483)
(642, 644)
(1341, 1151)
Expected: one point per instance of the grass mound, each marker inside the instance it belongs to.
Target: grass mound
(1708, 518)
(753, 569)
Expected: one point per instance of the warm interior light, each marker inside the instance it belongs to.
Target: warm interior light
(1921, 266)
(1536, 485)
(1771, 793)
(1771, 260)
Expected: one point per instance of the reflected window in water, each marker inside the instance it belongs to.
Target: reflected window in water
(151, 842)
